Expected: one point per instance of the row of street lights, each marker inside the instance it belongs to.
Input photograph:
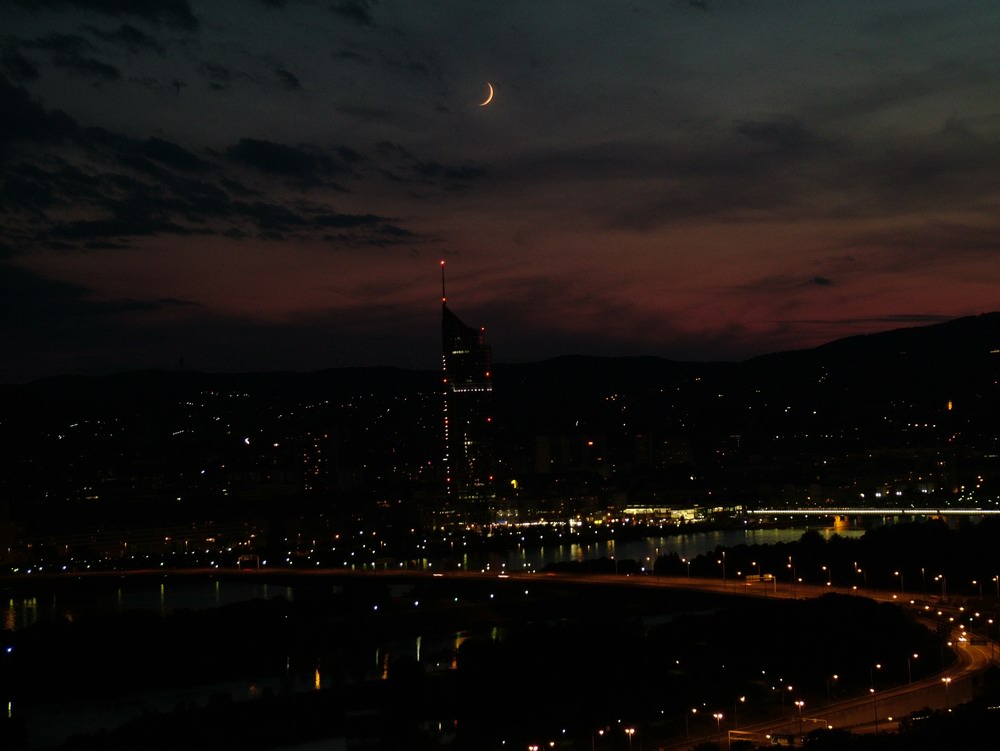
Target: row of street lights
(857, 571)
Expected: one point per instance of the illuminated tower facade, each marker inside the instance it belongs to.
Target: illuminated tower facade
(467, 362)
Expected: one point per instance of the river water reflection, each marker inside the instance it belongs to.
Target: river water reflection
(646, 550)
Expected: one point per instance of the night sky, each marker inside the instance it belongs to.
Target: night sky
(270, 184)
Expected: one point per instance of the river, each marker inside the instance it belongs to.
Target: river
(646, 550)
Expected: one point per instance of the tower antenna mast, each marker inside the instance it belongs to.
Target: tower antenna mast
(443, 297)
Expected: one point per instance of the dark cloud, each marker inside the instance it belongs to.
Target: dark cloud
(134, 188)
(68, 51)
(369, 113)
(355, 11)
(23, 292)
(403, 60)
(132, 219)
(307, 165)
(394, 150)
(781, 285)
(930, 247)
(436, 170)
(170, 12)
(60, 185)
(947, 170)
(287, 79)
(347, 220)
(404, 165)
(219, 76)
(25, 187)
(349, 55)
(907, 318)
(90, 67)
(104, 307)
(160, 86)
(766, 170)
(891, 91)
(172, 155)
(25, 120)
(128, 36)
(236, 188)
(349, 155)
(59, 44)
(785, 134)
(17, 66)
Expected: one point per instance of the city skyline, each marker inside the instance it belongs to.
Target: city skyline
(269, 185)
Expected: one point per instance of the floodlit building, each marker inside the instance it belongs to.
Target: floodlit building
(468, 387)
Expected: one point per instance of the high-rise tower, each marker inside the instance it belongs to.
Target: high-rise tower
(467, 362)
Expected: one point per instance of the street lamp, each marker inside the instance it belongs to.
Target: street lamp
(974, 583)
(800, 704)
(593, 739)
(871, 675)
(947, 685)
(629, 732)
(944, 585)
(829, 576)
(687, 726)
(832, 677)
(736, 717)
(909, 671)
(781, 694)
(718, 721)
(896, 573)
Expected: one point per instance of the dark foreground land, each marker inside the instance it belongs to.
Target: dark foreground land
(549, 660)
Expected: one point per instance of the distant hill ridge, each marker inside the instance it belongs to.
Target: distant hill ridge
(956, 360)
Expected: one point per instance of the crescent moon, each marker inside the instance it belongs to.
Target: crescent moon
(488, 98)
